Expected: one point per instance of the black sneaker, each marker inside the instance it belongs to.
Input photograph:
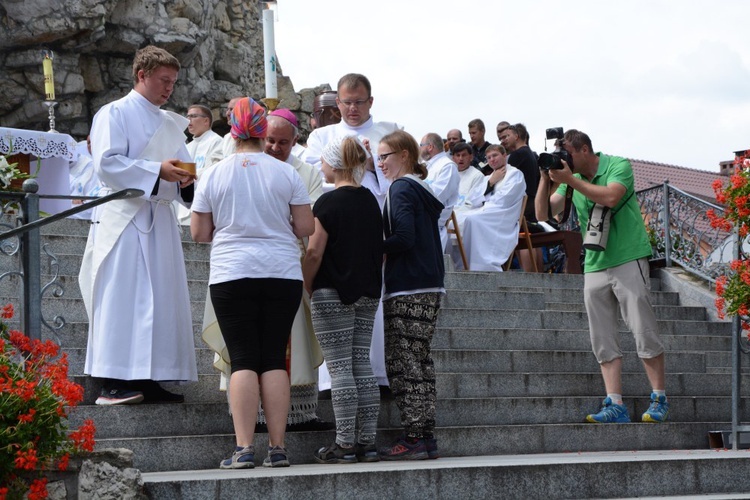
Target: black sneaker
(335, 454)
(119, 397)
(155, 393)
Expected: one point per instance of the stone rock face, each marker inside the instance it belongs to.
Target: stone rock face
(103, 481)
(219, 44)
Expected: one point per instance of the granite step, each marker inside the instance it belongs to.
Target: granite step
(192, 452)
(692, 313)
(125, 421)
(492, 384)
(75, 334)
(624, 474)
(481, 361)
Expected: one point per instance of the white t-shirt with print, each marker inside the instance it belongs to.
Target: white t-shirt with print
(249, 195)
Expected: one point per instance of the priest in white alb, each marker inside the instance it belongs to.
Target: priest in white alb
(354, 100)
(442, 177)
(490, 232)
(132, 277)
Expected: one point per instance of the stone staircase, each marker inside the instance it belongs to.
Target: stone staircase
(515, 378)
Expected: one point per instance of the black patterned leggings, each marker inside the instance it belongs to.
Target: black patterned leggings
(409, 328)
(344, 333)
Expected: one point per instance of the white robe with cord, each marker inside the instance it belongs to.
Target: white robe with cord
(132, 277)
(490, 233)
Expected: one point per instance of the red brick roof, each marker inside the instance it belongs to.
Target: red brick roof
(696, 182)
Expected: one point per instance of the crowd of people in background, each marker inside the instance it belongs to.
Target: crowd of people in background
(335, 247)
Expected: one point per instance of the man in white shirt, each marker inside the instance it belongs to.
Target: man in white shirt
(442, 177)
(132, 277)
(354, 101)
(206, 146)
(490, 232)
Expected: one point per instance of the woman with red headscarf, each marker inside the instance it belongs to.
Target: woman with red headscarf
(252, 208)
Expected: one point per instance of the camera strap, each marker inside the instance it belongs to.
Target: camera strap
(622, 204)
(568, 203)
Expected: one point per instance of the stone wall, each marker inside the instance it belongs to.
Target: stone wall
(219, 44)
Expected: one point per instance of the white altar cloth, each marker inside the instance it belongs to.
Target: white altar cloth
(55, 151)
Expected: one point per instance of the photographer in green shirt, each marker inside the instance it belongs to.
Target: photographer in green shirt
(616, 273)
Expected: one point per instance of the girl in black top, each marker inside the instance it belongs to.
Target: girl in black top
(343, 271)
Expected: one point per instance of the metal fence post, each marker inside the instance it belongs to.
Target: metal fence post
(667, 217)
(736, 357)
(30, 262)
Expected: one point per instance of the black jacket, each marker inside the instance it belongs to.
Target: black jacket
(414, 254)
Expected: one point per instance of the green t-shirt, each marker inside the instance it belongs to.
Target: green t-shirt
(627, 240)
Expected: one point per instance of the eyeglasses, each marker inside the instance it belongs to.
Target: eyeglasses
(358, 103)
(382, 157)
(192, 117)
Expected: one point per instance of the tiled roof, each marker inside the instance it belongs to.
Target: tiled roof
(696, 182)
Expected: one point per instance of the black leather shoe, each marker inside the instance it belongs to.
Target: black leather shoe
(155, 393)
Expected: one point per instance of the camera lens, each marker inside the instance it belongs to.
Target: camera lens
(546, 161)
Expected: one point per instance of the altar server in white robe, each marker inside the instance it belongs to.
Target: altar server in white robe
(469, 177)
(132, 277)
(490, 233)
(442, 177)
(354, 100)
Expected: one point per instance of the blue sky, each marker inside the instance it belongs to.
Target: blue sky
(665, 81)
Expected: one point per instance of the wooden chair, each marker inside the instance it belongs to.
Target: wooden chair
(455, 230)
(524, 239)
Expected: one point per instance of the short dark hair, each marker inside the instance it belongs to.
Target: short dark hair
(476, 122)
(462, 146)
(578, 139)
(520, 129)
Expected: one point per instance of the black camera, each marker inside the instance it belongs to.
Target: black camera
(553, 161)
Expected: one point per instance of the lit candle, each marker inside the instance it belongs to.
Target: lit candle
(49, 79)
(269, 54)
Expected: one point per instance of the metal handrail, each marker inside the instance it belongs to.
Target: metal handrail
(96, 201)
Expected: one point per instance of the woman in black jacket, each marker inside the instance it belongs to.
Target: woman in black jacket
(414, 275)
